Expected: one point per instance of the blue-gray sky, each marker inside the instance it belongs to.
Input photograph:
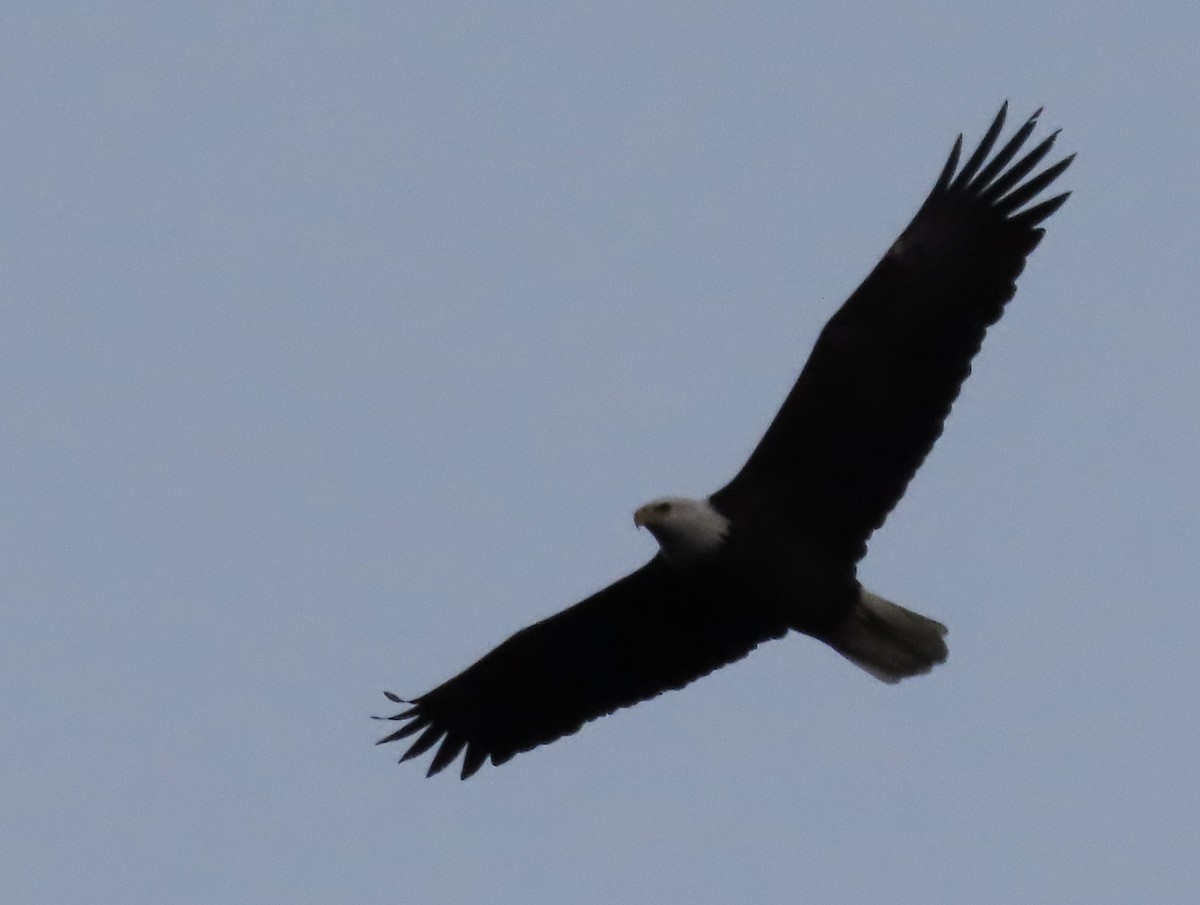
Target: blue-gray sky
(340, 341)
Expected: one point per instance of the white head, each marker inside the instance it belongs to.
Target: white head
(683, 528)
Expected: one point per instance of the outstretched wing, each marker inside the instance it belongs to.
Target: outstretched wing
(645, 634)
(871, 401)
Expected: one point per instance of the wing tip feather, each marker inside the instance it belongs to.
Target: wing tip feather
(993, 178)
(977, 159)
(943, 181)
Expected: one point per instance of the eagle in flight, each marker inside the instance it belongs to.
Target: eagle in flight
(776, 548)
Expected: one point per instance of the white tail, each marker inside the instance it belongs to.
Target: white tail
(888, 641)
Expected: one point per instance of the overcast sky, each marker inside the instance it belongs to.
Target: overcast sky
(339, 341)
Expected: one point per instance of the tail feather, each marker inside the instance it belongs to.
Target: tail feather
(889, 641)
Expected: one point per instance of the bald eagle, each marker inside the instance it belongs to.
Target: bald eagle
(776, 548)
